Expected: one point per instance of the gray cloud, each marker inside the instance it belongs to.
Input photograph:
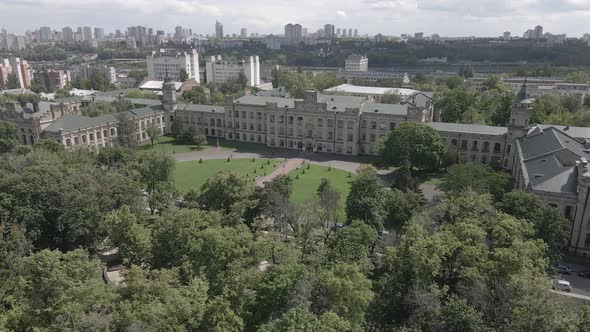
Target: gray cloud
(447, 17)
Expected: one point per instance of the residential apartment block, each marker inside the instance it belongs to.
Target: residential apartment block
(169, 63)
(219, 70)
(356, 62)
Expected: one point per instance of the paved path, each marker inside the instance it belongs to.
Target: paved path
(574, 295)
(283, 168)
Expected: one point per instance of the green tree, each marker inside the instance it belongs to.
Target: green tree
(50, 145)
(466, 71)
(415, 145)
(344, 290)
(366, 200)
(400, 207)
(220, 318)
(196, 95)
(329, 198)
(153, 132)
(158, 300)
(352, 244)
(242, 80)
(183, 75)
(225, 191)
(126, 132)
(156, 174)
(7, 136)
(390, 98)
(549, 225)
(12, 82)
(131, 237)
(577, 77)
(60, 291)
(477, 177)
(453, 104)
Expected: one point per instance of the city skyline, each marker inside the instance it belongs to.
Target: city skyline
(449, 17)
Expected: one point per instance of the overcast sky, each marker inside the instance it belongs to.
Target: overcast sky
(390, 17)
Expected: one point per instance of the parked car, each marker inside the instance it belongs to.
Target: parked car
(562, 285)
(585, 274)
(561, 269)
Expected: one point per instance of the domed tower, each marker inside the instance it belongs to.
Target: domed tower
(169, 103)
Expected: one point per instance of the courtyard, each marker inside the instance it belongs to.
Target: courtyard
(306, 177)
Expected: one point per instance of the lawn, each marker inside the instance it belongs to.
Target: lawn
(304, 188)
(166, 144)
(192, 174)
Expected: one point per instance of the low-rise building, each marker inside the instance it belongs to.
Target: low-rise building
(52, 79)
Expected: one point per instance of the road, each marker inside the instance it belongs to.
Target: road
(574, 295)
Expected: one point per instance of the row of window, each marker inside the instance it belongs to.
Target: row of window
(475, 146)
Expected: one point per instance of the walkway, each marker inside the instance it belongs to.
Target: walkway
(283, 168)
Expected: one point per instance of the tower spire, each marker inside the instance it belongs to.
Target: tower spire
(522, 93)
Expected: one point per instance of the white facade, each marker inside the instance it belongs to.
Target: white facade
(219, 71)
(170, 62)
(357, 63)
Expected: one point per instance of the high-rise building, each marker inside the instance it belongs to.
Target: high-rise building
(67, 34)
(171, 62)
(356, 33)
(219, 71)
(22, 71)
(344, 33)
(349, 33)
(538, 32)
(99, 33)
(529, 34)
(45, 34)
(87, 34)
(293, 34)
(506, 35)
(329, 31)
(85, 72)
(178, 34)
(218, 30)
(52, 79)
(118, 34)
(5, 70)
(338, 32)
(356, 62)
(243, 33)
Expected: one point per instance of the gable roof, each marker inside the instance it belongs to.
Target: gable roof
(548, 156)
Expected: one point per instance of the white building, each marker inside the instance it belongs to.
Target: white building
(357, 62)
(171, 62)
(219, 71)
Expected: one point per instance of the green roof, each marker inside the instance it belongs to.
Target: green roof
(392, 109)
(201, 108)
(72, 122)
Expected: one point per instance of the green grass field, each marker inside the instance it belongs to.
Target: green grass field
(166, 144)
(192, 174)
(304, 188)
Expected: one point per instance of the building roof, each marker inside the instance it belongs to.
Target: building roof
(201, 108)
(72, 122)
(369, 90)
(581, 133)
(262, 100)
(468, 128)
(549, 156)
(392, 109)
(157, 85)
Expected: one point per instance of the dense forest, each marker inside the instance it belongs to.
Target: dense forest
(232, 257)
